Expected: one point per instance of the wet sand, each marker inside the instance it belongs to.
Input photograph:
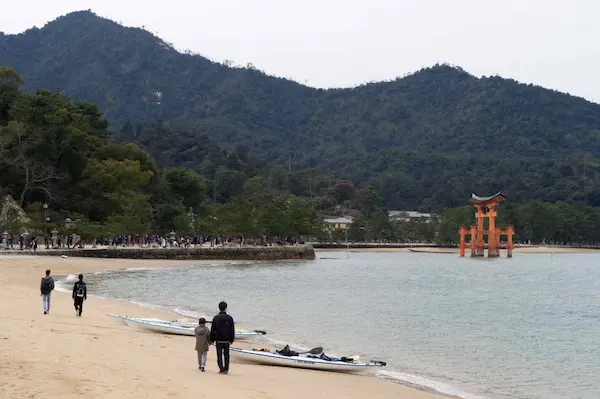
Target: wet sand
(62, 356)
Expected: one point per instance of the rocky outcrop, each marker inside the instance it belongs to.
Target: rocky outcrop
(12, 216)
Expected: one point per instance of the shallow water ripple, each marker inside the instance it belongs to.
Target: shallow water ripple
(527, 327)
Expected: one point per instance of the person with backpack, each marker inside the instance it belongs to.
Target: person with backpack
(222, 333)
(46, 289)
(79, 295)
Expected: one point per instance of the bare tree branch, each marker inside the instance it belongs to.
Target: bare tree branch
(51, 197)
(20, 144)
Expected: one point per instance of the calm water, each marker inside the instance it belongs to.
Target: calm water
(527, 327)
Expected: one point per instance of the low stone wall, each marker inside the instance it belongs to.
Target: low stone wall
(214, 253)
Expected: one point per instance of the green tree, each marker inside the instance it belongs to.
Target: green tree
(114, 188)
(228, 184)
(186, 186)
(343, 190)
(450, 222)
(168, 217)
(10, 82)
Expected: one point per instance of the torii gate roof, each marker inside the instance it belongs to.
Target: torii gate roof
(498, 197)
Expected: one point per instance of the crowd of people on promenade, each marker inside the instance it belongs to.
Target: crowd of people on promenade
(184, 241)
(24, 241)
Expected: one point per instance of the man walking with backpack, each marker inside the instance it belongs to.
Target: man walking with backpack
(222, 333)
(79, 295)
(46, 289)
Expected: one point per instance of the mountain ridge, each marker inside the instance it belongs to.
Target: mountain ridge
(91, 15)
(435, 116)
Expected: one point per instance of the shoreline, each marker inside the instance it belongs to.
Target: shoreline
(137, 362)
(541, 249)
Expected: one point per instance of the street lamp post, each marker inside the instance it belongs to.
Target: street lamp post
(192, 218)
(347, 244)
(25, 240)
(68, 224)
(46, 220)
(54, 233)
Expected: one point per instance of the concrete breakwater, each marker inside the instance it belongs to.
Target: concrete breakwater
(305, 252)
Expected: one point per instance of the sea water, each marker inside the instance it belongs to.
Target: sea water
(526, 327)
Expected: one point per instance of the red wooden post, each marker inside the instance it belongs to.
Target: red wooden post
(473, 240)
(462, 232)
(509, 244)
(492, 237)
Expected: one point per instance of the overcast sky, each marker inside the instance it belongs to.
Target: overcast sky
(335, 43)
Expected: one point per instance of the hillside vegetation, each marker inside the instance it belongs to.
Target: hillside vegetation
(424, 141)
(57, 152)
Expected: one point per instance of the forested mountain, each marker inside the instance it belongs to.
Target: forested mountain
(57, 152)
(424, 141)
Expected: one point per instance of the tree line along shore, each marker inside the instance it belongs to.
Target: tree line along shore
(69, 177)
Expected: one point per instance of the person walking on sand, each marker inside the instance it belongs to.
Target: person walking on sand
(46, 289)
(202, 342)
(79, 295)
(222, 333)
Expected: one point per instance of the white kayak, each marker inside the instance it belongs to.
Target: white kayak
(181, 322)
(175, 329)
(272, 358)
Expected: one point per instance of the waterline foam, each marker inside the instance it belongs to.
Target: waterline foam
(392, 372)
(409, 380)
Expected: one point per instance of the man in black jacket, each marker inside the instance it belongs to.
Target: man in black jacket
(79, 295)
(222, 333)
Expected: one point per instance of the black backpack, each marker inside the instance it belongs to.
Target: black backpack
(287, 352)
(46, 285)
(80, 289)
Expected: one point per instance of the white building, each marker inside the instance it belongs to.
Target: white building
(342, 223)
(407, 216)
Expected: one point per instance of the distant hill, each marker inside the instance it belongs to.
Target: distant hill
(420, 140)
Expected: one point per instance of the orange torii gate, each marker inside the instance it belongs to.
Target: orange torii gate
(486, 208)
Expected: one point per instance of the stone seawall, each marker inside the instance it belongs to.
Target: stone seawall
(303, 252)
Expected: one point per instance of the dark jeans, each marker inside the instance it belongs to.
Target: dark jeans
(223, 352)
(79, 305)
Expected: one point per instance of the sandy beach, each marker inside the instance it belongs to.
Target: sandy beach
(62, 356)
